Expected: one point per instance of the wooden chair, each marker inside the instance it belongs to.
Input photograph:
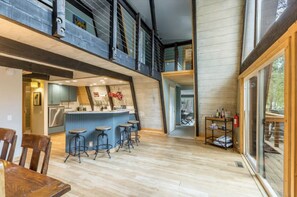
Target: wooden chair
(38, 143)
(9, 137)
(2, 179)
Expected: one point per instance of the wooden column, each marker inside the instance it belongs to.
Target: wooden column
(90, 97)
(135, 102)
(109, 98)
(195, 65)
(163, 106)
(113, 30)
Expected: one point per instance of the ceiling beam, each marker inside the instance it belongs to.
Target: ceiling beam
(34, 67)
(187, 42)
(153, 15)
(37, 76)
(21, 50)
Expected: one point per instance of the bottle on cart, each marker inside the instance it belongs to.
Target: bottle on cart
(217, 114)
(222, 113)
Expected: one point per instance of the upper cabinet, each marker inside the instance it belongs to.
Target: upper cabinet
(72, 93)
(61, 93)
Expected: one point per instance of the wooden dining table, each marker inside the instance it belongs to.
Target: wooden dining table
(20, 181)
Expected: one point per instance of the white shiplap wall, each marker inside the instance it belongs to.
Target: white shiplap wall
(149, 103)
(219, 34)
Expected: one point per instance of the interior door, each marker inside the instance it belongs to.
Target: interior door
(172, 108)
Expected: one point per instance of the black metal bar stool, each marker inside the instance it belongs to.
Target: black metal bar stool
(78, 149)
(104, 146)
(125, 135)
(135, 130)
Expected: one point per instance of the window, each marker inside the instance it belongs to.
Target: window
(260, 15)
(268, 12)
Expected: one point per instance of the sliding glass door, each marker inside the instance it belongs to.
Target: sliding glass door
(251, 122)
(264, 124)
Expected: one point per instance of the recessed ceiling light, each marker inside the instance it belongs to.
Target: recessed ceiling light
(94, 84)
(121, 81)
(74, 81)
(105, 78)
(102, 80)
(91, 85)
(67, 81)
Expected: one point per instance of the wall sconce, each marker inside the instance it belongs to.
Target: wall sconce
(35, 84)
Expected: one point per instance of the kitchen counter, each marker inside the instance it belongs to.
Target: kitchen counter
(89, 120)
(97, 112)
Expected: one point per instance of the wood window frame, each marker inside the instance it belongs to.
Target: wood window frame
(286, 44)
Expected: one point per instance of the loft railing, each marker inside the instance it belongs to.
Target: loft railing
(119, 26)
(178, 56)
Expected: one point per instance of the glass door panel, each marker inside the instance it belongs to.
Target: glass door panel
(251, 96)
(271, 126)
(264, 124)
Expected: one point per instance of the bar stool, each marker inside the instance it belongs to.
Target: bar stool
(135, 130)
(102, 135)
(77, 147)
(125, 135)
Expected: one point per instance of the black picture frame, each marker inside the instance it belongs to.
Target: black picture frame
(37, 98)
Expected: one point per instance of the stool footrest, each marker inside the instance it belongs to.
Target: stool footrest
(104, 147)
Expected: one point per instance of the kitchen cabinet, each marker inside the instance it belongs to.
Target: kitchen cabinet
(54, 94)
(72, 93)
(61, 93)
(64, 93)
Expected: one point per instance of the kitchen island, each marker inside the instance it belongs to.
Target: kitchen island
(93, 119)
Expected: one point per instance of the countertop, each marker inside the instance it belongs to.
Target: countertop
(97, 112)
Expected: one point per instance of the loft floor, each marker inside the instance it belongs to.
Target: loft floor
(159, 166)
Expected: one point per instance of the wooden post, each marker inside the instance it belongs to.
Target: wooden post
(163, 106)
(113, 30)
(276, 134)
(134, 102)
(138, 30)
(59, 18)
(88, 90)
(109, 98)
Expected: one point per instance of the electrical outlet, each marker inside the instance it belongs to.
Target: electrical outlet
(90, 143)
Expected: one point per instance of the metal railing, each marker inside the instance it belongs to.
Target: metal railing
(159, 56)
(178, 58)
(126, 34)
(123, 33)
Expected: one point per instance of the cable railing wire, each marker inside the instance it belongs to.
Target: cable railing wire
(99, 24)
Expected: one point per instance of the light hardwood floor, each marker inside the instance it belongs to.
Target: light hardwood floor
(159, 166)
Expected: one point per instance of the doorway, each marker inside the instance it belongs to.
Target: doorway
(178, 91)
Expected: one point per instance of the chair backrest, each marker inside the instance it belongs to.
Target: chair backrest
(2, 179)
(9, 137)
(38, 143)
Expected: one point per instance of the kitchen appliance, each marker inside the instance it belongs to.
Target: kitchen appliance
(55, 116)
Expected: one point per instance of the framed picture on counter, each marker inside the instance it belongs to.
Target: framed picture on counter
(36, 98)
